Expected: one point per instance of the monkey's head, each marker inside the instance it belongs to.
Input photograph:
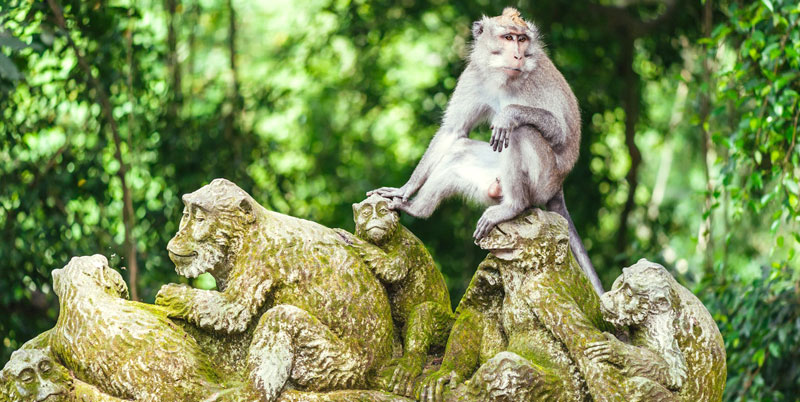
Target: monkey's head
(375, 222)
(215, 219)
(31, 375)
(87, 274)
(505, 46)
(531, 240)
(643, 289)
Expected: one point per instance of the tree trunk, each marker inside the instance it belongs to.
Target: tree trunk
(128, 217)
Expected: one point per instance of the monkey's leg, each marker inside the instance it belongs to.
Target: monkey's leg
(468, 170)
(527, 178)
(291, 344)
(428, 324)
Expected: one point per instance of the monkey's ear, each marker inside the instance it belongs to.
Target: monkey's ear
(247, 210)
(477, 29)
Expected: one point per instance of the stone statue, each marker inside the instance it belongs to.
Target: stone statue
(674, 340)
(305, 313)
(417, 292)
(531, 258)
(128, 349)
(322, 320)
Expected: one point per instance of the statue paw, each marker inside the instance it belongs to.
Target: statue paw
(400, 377)
(608, 350)
(173, 298)
(433, 387)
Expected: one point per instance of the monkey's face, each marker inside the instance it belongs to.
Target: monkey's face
(31, 375)
(624, 304)
(89, 272)
(375, 222)
(505, 45)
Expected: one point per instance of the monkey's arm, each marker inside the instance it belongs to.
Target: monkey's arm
(229, 311)
(463, 112)
(513, 116)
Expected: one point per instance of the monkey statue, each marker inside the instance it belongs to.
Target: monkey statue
(33, 375)
(417, 292)
(675, 343)
(536, 134)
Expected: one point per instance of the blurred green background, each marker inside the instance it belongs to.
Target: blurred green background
(689, 153)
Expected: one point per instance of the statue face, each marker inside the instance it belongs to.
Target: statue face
(624, 304)
(375, 222)
(31, 375)
(215, 217)
(199, 246)
(643, 289)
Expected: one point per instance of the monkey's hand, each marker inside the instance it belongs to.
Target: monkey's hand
(610, 350)
(502, 125)
(392, 192)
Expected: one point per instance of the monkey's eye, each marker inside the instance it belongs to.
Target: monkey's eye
(523, 38)
(45, 366)
(26, 375)
(384, 210)
(365, 213)
(508, 37)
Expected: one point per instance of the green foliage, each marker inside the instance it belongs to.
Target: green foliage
(325, 100)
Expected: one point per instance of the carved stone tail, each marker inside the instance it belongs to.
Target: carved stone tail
(557, 204)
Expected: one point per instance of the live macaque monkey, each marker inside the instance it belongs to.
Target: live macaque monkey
(536, 134)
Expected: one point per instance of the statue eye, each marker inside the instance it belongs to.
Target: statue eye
(365, 213)
(384, 210)
(26, 375)
(45, 366)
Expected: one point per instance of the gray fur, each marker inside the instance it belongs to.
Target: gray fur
(536, 134)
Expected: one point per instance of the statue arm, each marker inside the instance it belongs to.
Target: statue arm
(229, 311)
(643, 362)
(388, 267)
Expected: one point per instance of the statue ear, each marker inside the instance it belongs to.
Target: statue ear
(247, 210)
(477, 29)
(355, 210)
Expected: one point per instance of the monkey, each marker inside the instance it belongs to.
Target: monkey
(536, 133)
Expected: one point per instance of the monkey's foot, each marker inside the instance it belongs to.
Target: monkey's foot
(492, 216)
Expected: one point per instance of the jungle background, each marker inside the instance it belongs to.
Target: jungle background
(113, 109)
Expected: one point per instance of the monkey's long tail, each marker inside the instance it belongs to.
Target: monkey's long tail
(557, 204)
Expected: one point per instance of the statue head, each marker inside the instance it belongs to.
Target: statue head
(530, 240)
(31, 375)
(375, 222)
(88, 274)
(643, 289)
(215, 218)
